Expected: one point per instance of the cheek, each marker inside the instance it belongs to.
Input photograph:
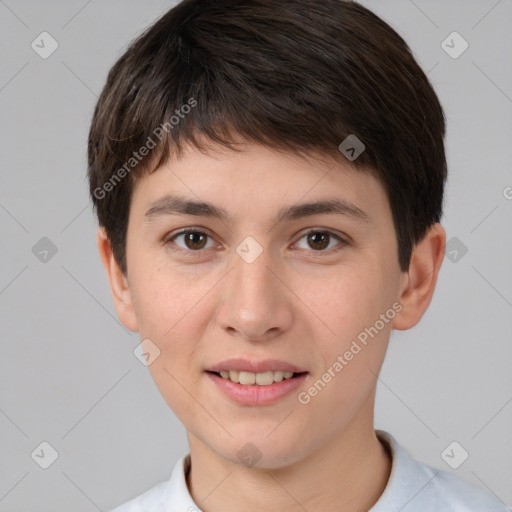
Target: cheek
(171, 311)
(358, 311)
(160, 298)
(349, 301)
(166, 313)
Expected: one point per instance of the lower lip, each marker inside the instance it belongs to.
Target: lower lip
(252, 394)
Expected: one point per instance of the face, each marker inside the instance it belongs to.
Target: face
(314, 291)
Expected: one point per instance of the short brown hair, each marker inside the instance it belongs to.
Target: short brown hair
(295, 75)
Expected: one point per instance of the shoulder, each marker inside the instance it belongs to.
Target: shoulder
(417, 487)
(457, 495)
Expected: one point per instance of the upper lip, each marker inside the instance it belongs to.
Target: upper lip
(246, 365)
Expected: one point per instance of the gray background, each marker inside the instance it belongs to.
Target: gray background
(67, 369)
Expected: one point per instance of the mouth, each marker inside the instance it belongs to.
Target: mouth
(256, 383)
(246, 378)
(249, 383)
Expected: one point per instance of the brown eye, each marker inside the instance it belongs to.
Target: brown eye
(193, 241)
(319, 240)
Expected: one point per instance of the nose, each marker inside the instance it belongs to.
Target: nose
(255, 303)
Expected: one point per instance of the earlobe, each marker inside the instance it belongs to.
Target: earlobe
(419, 282)
(118, 282)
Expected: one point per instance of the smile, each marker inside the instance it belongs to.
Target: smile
(257, 389)
(260, 379)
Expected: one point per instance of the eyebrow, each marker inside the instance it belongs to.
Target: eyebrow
(178, 205)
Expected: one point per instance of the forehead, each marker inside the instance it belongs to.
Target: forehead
(223, 182)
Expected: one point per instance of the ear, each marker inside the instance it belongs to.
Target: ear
(419, 282)
(119, 286)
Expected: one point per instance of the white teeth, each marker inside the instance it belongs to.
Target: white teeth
(247, 378)
(261, 379)
(264, 379)
(278, 376)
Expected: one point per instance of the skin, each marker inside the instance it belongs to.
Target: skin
(295, 303)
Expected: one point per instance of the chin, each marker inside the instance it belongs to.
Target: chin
(261, 450)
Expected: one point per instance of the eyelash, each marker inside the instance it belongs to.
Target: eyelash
(191, 253)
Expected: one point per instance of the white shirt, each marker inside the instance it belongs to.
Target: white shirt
(412, 487)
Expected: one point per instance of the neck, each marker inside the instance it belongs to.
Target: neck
(346, 474)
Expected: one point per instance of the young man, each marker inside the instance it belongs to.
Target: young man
(268, 177)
